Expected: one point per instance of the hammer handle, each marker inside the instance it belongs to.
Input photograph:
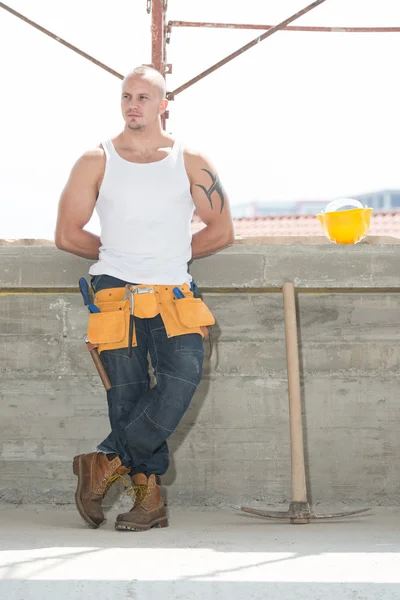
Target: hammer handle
(99, 366)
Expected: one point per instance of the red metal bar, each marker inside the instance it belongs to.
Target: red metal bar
(290, 28)
(168, 68)
(158, 42)
(157, 35)
(63, 42)
(243, 49)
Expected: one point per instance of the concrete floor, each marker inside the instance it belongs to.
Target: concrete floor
(47, 553)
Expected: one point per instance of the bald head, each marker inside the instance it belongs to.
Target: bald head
(149, 74)
(143, 99)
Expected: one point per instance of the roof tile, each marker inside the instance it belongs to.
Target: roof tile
(382, 224)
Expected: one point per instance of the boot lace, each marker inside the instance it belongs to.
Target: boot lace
(140, 493)
(115, 478)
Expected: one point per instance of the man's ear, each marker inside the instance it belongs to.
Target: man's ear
(164, 106)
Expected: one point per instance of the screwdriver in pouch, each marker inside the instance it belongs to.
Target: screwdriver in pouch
(194, 289)
(178, 293)
(84, 288)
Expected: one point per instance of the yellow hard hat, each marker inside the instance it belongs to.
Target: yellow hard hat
(345, 226)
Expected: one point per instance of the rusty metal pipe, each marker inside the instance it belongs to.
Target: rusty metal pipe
(61, 41)
(158, 42)
(157, 35)
(289, 28)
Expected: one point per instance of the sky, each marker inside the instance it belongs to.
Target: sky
(299, 116)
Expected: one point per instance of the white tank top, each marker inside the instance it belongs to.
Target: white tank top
(145, 212)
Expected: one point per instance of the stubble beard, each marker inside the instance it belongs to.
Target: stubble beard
(136, 127)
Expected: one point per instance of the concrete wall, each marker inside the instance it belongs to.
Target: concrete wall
(233, 444)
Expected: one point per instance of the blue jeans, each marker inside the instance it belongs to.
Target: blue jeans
(141, 418)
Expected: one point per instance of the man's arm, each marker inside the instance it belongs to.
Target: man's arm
(76, 206)
(212, 206)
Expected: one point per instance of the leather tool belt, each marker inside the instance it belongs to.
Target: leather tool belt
(109, 328)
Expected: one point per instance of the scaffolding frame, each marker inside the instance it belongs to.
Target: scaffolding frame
(161, 32)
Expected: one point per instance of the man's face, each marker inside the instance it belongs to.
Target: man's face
(141, 102)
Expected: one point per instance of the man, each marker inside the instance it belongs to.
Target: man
(145, 187)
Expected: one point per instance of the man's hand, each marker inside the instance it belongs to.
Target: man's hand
(211, 204)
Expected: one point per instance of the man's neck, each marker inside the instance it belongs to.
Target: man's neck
(143, 140)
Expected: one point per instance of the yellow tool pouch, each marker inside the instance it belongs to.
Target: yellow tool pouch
(109, 328)
(192, 312)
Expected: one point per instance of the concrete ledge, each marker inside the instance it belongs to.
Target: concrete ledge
(289, 240)
(241, 266)
(232, 445)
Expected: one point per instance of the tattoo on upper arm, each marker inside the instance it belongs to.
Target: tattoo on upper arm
(214, 187)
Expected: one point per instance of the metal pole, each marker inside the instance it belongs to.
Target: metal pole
(157, 35)
(158, 42)
(63, 42)
(290, 28)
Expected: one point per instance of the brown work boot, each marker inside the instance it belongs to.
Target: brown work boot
(96, 474)
(148, 510)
